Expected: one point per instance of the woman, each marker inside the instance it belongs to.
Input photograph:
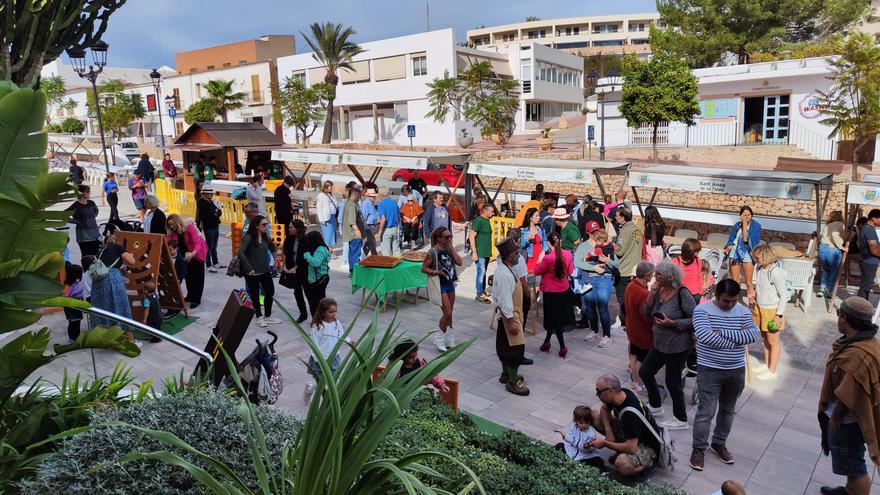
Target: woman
(317, 256)
(671, 307)
(109, 293)
(771, 297)
(599, 267)
(111, 190)
(253, 256)
(691, 267)
(533, 242)
(138, 192)
(638, 327)
(592, 213)
(328, 213)
(195, 252)
(554, 270)
(208, 221)
(84, 216)
(441, 261)
(745, 237)
(831, 248)
(655, 229)
(154, 220)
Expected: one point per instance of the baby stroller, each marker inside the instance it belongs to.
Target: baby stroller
(114, 225)
(260, 374)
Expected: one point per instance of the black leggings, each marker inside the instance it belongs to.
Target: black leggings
(551, 332)
(254, 283)
(314, 293)
(113, 201)
(674, 363)
(195, 280)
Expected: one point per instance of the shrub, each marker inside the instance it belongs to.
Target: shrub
(72, 125)
(206, 419)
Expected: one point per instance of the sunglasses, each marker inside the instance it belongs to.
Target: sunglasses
(600, 390)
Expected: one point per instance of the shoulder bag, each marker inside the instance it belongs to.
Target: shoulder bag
(666, 456)
(434, 282)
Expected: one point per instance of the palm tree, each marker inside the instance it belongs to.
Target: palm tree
(220, 92)
(332, 48)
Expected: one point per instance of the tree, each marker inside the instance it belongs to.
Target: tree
(72, 125)
(35, 33)
(220, 92)
(480, 95)
(54, 89)
(705, 32)
(302, 107)
(532, 18)
(852, 106)
(662, 89)
(118, 108)
(200, 111)
(332, 49)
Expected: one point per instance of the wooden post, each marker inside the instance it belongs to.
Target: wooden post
(638, 201)
(599, 183)
(230, 162)
(357, 174)
(653, 195)
(851, 217)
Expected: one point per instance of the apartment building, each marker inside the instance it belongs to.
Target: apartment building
(625, 33)
(387, 89)
(872, 23)
(265, 49)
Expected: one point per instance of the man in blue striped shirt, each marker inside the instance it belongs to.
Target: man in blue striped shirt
(723, 328)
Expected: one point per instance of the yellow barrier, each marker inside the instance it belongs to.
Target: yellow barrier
(182, 203)
(233, 210)
(500, 226)
(162, 191)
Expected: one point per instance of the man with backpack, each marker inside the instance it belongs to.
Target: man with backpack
(723, 327)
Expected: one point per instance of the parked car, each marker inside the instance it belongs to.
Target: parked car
(435, 175)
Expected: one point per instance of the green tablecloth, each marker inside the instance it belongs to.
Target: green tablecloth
(406, 275)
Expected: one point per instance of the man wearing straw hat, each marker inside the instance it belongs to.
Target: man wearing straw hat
(507, 295)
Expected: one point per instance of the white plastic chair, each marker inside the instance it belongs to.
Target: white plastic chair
(720, 239)
(799, 274)
(787, 245)
(687, 234)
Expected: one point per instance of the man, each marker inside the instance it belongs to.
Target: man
(353, 227)
(371, 221)
(211, 168)
(625, 432)
(638, 332)
(723, 328)
(250, 210)
(283, 203)
(568, 231)
(538, 193)
(389, 220)
(417, 183)
(436, 215)
(411, 213)
(168, 169)
(296, 251)
(148, 174)
(77, 174)
(254, 194)
(571, 203)
(629, 251)
(480, 240)
(869, 247)
(848, 402)
(510, 343)
(406, 191)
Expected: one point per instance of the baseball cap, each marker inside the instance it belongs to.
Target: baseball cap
(591, 226)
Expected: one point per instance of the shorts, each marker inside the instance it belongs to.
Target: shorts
(847, 450)
(644, 456)
(447, 288)
(763, 316)
(638, 352)
(138, 203)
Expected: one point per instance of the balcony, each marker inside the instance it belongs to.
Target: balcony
(255, 98)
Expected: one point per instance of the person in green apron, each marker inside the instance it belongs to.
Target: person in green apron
(507, 296)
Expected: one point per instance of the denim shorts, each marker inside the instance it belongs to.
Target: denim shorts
(138, 203)
(847, 450)
(447, 288)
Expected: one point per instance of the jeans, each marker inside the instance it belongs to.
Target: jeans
(868, 272)
(674, 363)
(211, 237)
(717, 389)
(481, 263)
(619, 292)
(328, 230)
(390, 242)
(354, 253)
(253, 283)
(314, 293)
(596, 303)
(829, 259)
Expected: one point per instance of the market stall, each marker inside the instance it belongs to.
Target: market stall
(865, 193)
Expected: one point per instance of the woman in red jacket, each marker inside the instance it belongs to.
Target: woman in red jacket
(554, 270)
(194, 251)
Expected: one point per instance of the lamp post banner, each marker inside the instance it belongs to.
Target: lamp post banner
(863, 194)
(723, 185)
(567, 175)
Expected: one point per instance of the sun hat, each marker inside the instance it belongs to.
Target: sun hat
(591, 226)
(858, 308)
(506, 247)
(370, 193)
(560, 214)
(207, 190)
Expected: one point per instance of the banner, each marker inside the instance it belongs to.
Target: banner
(420, 163)
(568, 175)
(863, 194)
(724, 185)
(303, 156)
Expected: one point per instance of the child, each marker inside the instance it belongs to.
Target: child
(152, 310)
(604, 248)
(180, 265)
(325, 332)
(576, 441)
(73, 288)
(708, 282)
(411, 362)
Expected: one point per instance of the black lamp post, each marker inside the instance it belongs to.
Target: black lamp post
(78, 60)
(613, 77)
(156, 77)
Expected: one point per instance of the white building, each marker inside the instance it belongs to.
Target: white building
(763, 103)
(387, 90)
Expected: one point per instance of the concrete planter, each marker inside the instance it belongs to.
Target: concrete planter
(544, 144)
(465, 141)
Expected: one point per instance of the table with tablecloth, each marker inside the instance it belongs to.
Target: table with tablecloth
(406, 275)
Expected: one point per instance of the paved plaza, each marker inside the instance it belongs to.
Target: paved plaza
(775, 438)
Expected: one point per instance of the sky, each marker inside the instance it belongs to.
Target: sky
(147, 33)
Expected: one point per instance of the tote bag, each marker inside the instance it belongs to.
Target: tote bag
(434, 283)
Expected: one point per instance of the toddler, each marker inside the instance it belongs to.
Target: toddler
(708, 282)
(412, 362)
(576, 441)
(73, 288)
(152, 310)
(326, 331)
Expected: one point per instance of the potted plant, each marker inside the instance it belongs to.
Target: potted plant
(465, 140)
(545, 142)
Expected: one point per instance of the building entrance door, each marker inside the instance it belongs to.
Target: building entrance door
(776, 119)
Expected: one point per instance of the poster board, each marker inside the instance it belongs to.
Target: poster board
(153, 262)
(724, 185)
(863, 194)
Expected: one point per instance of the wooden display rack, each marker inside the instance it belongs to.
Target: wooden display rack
(152, 262)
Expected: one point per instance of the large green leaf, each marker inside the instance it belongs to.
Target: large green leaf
(22, 293)
(112, 338)
(24, 222)
(22, 142)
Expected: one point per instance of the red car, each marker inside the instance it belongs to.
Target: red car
(436, 174)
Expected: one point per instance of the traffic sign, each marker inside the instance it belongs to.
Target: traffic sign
(411, 130)
(591, 133)
(172, 112)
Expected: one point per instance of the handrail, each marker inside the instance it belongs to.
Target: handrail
(149, 330)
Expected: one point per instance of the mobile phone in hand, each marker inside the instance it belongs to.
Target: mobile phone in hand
(658, 315)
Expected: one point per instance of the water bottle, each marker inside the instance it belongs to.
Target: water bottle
(771, 325)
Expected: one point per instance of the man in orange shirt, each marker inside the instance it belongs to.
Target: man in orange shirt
(638, 327)
(411, 212)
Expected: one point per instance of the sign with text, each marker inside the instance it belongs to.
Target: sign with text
(863, 194)
(384, 161)
(809, 106)
(300, 156)
(567, 175)
(723, 185)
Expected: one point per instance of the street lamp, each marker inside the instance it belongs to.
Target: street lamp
(156, 77)
(612, 78)
(78, 61)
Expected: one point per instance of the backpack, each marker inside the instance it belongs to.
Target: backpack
(666, 455)
(789, 289)
(98, 271)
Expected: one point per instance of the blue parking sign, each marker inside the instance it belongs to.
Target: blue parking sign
(591, 133)
(410, 130)
(172, 112)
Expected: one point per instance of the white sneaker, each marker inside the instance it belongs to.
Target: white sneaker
(766, 376)
(308, 392)
(674, 424)
(605, 342)
(272, 321)
(261, 322)
(592, 337)
(656, 411)
(759, 368)
(212, 269)
(449, 337)
(440, 341)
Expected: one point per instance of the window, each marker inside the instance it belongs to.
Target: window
(537, 34)
(401, 114)
(570, 31)
(227, 64)
(242, 62)
(508, 37)
(608, 43)
(605, 28)
(420, 66)
(555, 74)
(193, 69)
(210, 67)
(176, 93)
(639, 42)
(301, 77)
(636, 26)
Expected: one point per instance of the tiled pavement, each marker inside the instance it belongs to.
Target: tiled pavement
(775, 437)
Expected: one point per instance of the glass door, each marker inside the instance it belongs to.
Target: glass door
(776, 119)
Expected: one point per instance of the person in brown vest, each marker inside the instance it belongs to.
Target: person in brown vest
(510, 343)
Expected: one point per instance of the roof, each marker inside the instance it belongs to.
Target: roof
(232, 134)
(369, 158)
(824, 178)
(571, 171)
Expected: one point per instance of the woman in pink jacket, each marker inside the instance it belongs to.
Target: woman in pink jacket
(554, 270)
(194, 250)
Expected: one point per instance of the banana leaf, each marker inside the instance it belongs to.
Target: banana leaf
(22, 142)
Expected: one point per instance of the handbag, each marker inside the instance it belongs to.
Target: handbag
(434, 283)
(287, 279)
(234, 268)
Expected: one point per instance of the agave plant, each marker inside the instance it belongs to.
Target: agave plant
(349, 417)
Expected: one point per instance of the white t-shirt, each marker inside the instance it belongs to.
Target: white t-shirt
(325, 338)
(521, 270)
